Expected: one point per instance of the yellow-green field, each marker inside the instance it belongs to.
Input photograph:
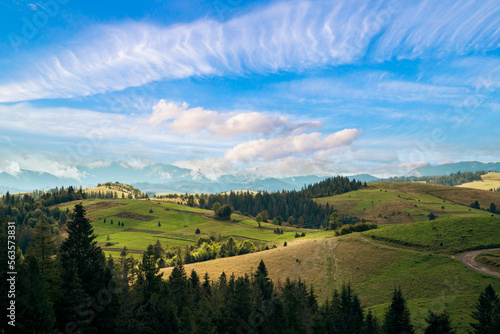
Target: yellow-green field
(488, 181)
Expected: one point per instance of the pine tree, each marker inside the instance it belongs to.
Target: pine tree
(44, 245)
(81, 248)
(487, 314)
(370, 325)
(262, 281)
(126, 296)
(438, 324)
(36, 312)
(84, 274)
(397, 317)
(148, 275)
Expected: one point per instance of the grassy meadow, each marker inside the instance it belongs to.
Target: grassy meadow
(395, 203)
(178, 225)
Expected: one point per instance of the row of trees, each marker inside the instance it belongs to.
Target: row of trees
(286, 204)
(205, 249)
(492, 208)
(453, 179)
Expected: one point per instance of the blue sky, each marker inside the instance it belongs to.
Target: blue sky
(265, 88)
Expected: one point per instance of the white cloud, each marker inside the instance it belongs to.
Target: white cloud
(182, 119)
(279, 147)
(42, 164)
(99, 163)
(12, 168)
(431, 28)
(287, 36)
(413, 165)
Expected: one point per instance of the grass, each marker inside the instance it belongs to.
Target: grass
(490, 260)
(178, 226)
(448, 236)
(396, 203)
(488, 181)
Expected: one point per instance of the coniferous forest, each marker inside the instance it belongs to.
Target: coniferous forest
(80, 291)
(285, 204)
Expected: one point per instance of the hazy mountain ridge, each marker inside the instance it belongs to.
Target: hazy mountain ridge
(463, 166)
(162, 178)
(157, 178)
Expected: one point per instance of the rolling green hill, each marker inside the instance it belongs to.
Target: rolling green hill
(386, 202)
(178, 225)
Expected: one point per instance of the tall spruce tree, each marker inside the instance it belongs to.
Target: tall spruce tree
(36, 312)
(397, 318)
(438, 324)
(487, 314)
(81, 247)
(85, 276)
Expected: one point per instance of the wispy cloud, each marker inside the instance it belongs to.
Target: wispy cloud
(433, 29)
(291, 36)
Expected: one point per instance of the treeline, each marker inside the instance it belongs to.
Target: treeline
(114, 187)
(205, 249)
(285, 204)
(447, 180)
(79, 291)
(493, 208)
(25, 210)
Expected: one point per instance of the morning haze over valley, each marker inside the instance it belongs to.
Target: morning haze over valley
(228, 166)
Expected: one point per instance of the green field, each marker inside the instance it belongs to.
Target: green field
(178, 226)
(385, 202)
(448, 236)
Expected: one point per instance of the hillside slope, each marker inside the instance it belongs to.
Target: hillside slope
(488, 181)
(393, 202)
(373, 269)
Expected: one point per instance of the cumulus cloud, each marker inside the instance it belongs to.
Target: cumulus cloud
(287, 36)
(182, 119)
(279, 147)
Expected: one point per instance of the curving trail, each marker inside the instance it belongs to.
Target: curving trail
(468, 259)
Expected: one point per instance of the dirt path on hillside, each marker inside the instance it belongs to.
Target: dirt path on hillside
(468, 259)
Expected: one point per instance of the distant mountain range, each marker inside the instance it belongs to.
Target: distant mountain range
(162, 178)
(158, 178)
(464, 166)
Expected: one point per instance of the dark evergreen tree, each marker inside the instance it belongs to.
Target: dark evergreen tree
(438, 324)
(493, 208)
(262, 282)
(35, 310)
(397, 318)
(487, 313)
(83, 262)
(371, 325)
